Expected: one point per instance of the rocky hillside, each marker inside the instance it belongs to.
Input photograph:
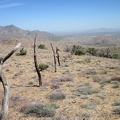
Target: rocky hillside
(13, 32)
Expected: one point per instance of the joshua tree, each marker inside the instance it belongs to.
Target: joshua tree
(5, 101)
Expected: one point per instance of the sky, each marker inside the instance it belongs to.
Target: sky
(60, 15)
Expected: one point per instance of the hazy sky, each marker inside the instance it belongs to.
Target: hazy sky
(60, 15)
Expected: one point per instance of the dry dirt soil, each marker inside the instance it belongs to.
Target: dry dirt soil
(90, 85)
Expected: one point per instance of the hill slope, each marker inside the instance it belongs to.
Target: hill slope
(11, 31)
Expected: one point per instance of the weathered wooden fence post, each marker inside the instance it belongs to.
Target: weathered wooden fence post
(58, 57)
(36, 65)
(54, 57)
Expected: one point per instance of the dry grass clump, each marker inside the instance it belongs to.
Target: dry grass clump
(89, 72)
(115, 86)
(85, 89)
(88, 106)
(66, 78)
(116, 104)
(16, 101)
(115, 78)
(54, 86)
(38, 110)
(56, 96)
(96, 79)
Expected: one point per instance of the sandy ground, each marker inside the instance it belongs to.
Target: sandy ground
(20, 72)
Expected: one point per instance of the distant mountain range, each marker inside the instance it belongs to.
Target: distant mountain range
(102, 31)
(13, 32)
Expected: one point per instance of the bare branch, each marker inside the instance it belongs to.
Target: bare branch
(5, 101)
(6, 57)
(36, 65)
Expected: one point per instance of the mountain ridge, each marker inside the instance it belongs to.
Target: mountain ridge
(12, 32)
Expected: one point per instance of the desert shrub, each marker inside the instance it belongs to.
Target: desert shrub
(77, 50)
(88, 106)
(92, 51)
(22, 52)
(116, 110)
(96, 79)
(41, 46)
(60, 79)
(38, 110)
(56, 96)
(115, 78)
(100, 54)
(54, 86)
(85, 90)
(115, 56)
(52, 105)
(87, 60)
(67, 48)
(115, 86)
(65, 79)
(43, 66)
(30, 83)
(116, 104)
(105, 80)
(89, 72)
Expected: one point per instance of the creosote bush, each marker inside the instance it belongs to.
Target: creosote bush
(77, 50)
(92, 51)
(43, 66)
(22, 52)
(116, 110)
(115, 56)
(41, 46)
(56, 96)
(39, 110)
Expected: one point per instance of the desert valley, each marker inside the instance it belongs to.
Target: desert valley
(86, 85)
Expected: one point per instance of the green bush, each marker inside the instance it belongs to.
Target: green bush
(115, 86)
(92, 51)
(22, 52)
(43, 66)
(115, 56)
(77, 50)
(38, 110)
(41, 46)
